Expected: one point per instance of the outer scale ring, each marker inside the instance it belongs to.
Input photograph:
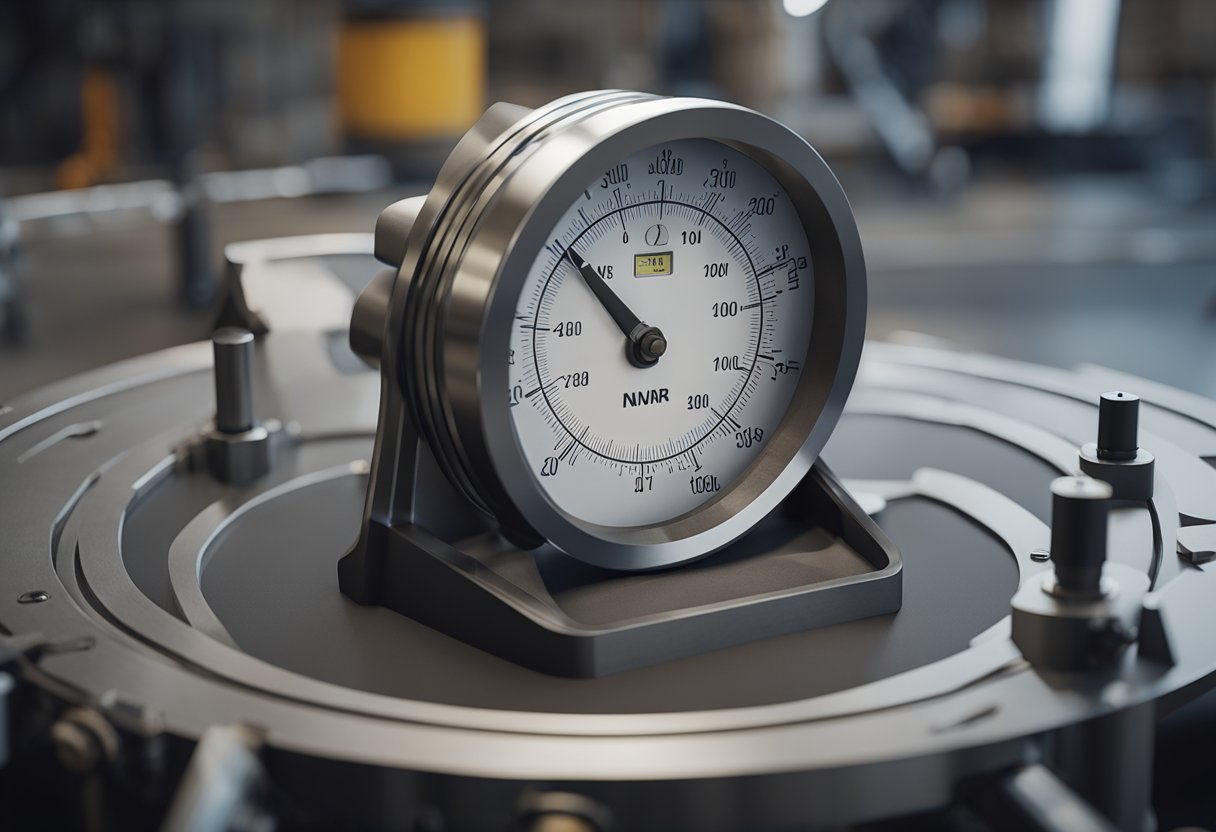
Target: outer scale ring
(473, 270)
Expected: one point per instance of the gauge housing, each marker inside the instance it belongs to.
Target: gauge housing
(458, 533)
(464, 264)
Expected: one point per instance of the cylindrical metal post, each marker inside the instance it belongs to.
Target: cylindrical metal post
(1118, 425)
(233, 349)
(1109, 761)
(1079, 507)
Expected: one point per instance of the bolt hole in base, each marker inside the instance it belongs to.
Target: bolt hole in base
(34, 596)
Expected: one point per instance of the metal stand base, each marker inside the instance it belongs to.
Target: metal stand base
(818, 560)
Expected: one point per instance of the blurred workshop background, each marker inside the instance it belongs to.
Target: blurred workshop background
(1032, 179)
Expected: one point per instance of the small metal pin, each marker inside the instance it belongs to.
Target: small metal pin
(1079, 508)
(1118, 425)
(238, 450)
(233, 350)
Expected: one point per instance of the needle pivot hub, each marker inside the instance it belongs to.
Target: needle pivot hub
(645, 346)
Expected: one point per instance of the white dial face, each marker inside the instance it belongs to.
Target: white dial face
(660, 335)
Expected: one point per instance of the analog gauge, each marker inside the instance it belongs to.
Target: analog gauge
(626, 325)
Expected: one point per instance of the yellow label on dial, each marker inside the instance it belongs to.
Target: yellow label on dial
(647, 265)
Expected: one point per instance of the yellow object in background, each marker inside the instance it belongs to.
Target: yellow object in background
(98, 153)
(411, 78)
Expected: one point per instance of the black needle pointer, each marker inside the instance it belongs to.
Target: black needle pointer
(643, 343)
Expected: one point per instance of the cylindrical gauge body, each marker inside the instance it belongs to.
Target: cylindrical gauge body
(704, 223)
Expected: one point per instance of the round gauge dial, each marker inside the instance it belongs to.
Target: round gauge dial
(660, 334)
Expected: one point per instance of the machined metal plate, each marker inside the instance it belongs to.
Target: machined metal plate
(205, 604)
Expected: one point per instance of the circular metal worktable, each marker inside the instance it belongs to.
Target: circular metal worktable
(150, 589)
